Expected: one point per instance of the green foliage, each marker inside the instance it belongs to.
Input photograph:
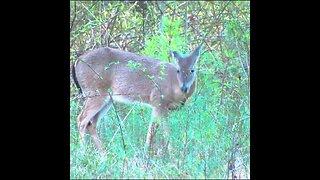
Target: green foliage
(167, 38)
(110, 64)
(134, 65)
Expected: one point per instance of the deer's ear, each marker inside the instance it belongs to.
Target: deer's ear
(175, 55)
(198, 50)
(171, 54)
(196, 53)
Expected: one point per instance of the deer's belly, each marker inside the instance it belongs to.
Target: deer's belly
(129, 100)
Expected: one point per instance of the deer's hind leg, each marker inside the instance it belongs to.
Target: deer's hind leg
(89, 116)
(93, 124)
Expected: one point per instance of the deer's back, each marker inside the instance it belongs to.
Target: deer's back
(129, 76)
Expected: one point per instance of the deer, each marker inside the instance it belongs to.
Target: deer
(106, 75)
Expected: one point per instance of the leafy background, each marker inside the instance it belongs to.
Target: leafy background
(211, 134)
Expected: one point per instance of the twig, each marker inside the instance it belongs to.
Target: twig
(75, 14)
(182, 4)
(199, 91)
(186, 22)
(115, 110)
(159, 7)
(89, 11)
(223, 79)
(112, 22)
(133, 6)
(85, 13)
(124, 162)
(239, 57)
(119, 127)
(216, 19)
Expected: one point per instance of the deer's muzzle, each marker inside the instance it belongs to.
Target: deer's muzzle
(184, 88)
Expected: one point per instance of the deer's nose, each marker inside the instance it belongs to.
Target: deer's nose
(184, 89)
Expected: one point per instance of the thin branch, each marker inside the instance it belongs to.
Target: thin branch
(118, 117)
(112, 27)
(85, 13)
(125, 118)
(218, 17)
(75, 15)
(186, 22)
(239, 58)
(89, 11)
(223, 79)
(159, 7)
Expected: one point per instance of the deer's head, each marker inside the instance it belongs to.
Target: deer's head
(186, 68)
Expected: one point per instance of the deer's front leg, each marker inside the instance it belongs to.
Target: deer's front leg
(159, 116)
(151, 135)
(165, 139)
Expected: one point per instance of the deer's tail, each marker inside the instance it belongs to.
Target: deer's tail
(74, 77)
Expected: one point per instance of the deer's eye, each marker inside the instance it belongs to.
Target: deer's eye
(192, 70)
(178, 71)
